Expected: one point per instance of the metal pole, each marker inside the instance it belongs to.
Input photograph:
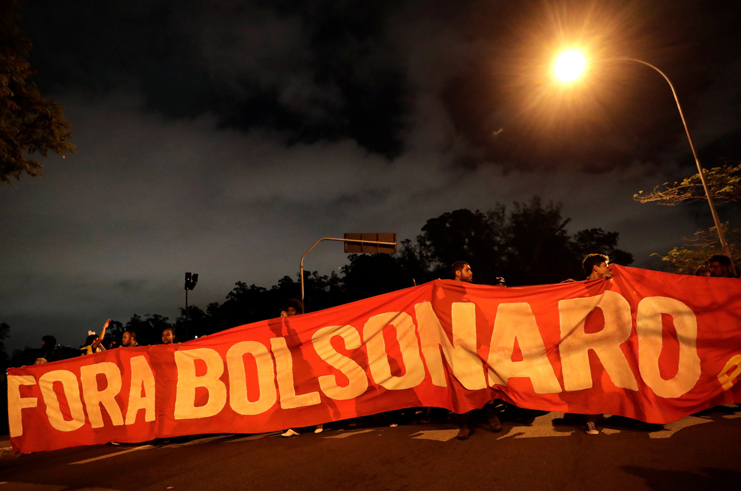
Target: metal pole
(718, 228)
(186, 314)
(301, 270)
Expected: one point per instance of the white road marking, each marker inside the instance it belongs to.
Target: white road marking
(671, 428)
(346, 434)
(254, 437)
(115, 454)
(203, 440)
(736, 414)
(436, 435)
(541, 427)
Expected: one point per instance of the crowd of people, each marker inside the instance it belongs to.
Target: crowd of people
(595, 266)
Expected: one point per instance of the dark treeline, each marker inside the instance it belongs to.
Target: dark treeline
(527, 244)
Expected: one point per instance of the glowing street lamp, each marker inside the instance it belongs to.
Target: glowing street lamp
(571, 64)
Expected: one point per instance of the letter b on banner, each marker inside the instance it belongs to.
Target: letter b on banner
(188, 382)
(239, 398)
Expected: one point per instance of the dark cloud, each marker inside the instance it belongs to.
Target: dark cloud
(313, 71)
(328, 70)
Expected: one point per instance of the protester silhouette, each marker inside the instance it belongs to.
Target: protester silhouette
(49, 349)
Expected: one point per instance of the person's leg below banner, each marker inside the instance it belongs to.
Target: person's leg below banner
(465, 425)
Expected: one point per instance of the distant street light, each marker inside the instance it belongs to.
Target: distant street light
(571, 64)
(190, 283)
(356, 243)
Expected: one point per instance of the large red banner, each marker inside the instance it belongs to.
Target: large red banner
(646, 345)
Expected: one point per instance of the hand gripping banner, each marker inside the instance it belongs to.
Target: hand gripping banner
(646, 345)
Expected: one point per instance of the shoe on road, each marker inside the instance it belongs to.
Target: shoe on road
(495, 424)
(289, 432)
(463, 434)
(592, 429)
(319, 428)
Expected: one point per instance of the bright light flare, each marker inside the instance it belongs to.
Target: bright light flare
(570, 65)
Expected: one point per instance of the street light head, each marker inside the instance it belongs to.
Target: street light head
(570, 65)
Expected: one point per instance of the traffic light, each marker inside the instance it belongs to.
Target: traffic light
(190, 280)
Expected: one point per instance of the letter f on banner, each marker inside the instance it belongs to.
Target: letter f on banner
(16, 403)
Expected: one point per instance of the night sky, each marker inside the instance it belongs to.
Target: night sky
(225, 137)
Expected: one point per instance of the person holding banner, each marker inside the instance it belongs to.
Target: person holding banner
(596, 266)
(296, 307)
(720, 266)
(461, 271)
(49, 349)
(93, 341)
(168, 336)
(128, 339)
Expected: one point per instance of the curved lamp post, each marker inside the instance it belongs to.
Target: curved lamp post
(571, 64)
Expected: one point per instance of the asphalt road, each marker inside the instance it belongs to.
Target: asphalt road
(697, 452)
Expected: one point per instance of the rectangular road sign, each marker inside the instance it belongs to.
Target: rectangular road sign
(366, 248)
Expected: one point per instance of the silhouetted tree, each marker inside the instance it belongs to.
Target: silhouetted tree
(115, 331)
(415, 265)
(199, 324)
(373, 274)
(463, 235)
(4, 333)
(29, 123)
(696, 251)
(321, 291)
(530, 245)
(724, 185)
(26, 356)
(596, 240)
(537, 244)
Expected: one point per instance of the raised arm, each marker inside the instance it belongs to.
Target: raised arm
(97, 342)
